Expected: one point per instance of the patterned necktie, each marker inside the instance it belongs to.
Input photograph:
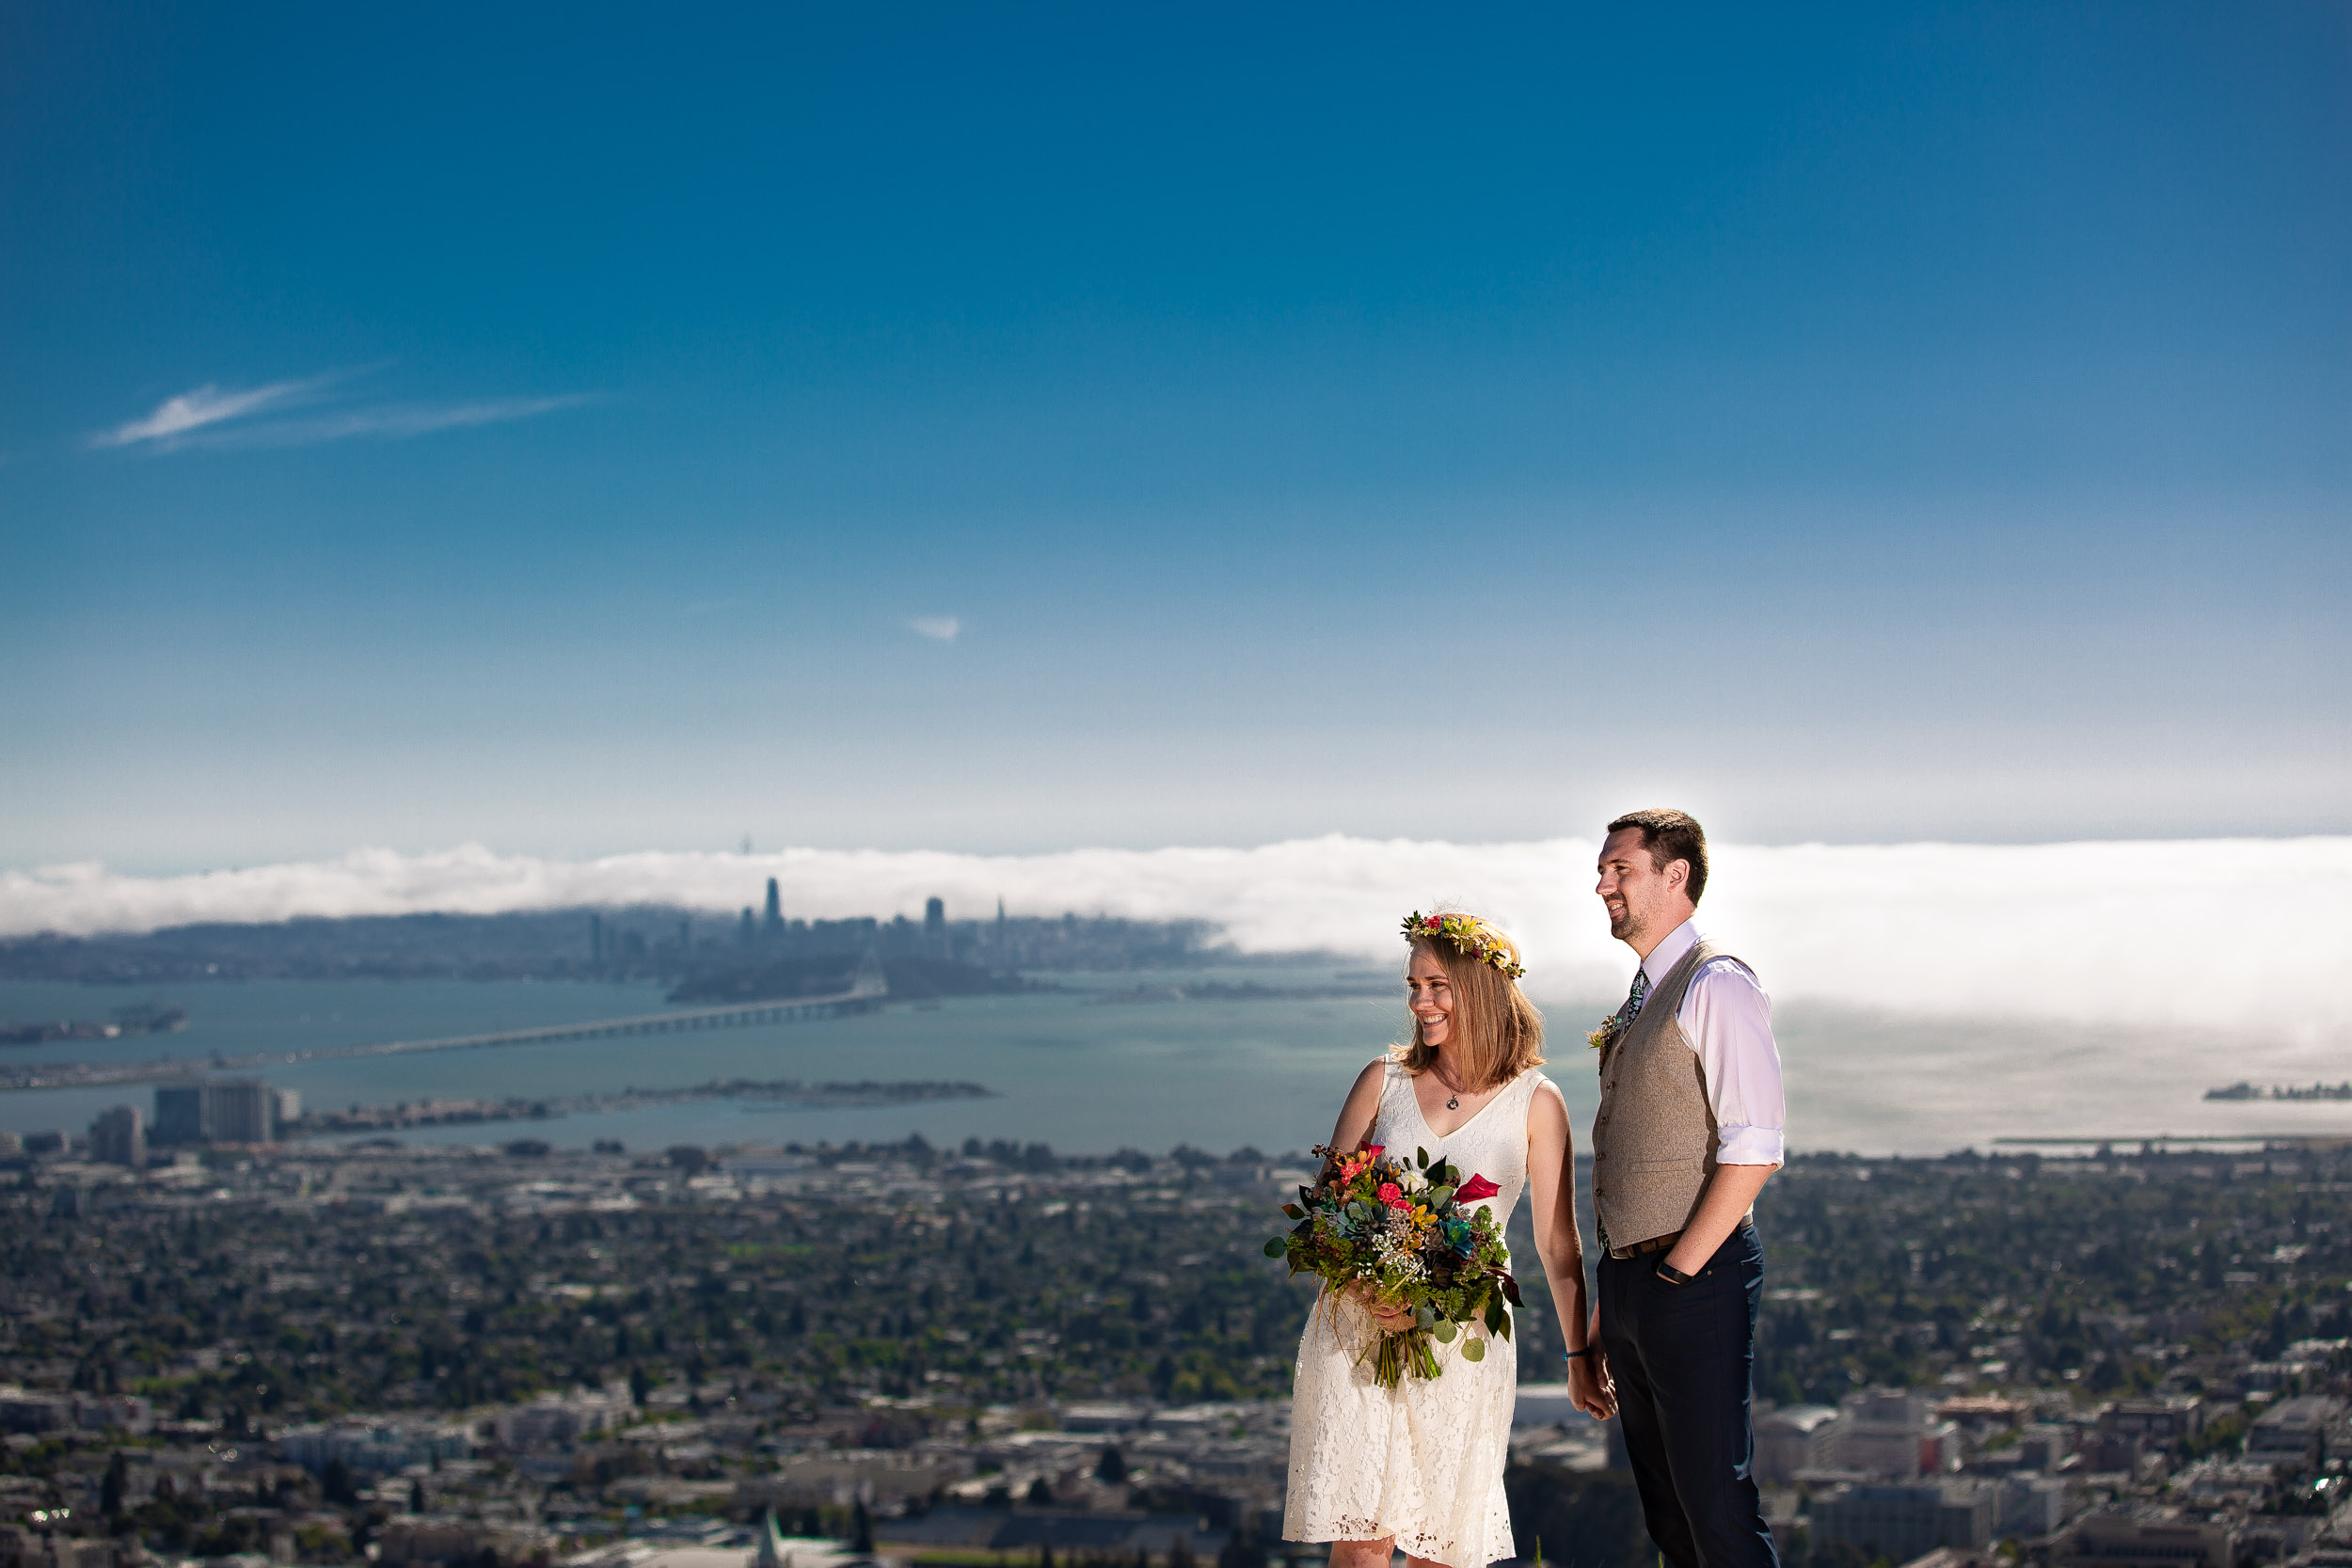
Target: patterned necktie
(1634, 998)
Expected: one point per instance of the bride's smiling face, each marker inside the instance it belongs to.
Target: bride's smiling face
(1429, 995)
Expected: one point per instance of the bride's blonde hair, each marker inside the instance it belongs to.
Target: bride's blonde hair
(1497, 1029)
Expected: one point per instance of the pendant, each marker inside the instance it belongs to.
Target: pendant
(1454, 1104)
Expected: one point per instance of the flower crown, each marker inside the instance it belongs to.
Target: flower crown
(1470, 936)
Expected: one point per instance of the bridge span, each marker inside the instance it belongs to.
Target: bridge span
(740, 1017)
(868, 992)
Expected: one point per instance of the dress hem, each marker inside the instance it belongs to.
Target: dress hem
(1329, 1535)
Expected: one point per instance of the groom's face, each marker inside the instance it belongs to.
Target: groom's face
(1641, 898)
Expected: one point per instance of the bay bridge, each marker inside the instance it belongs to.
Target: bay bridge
(868, 989)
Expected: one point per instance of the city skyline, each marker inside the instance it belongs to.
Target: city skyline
(922, 430)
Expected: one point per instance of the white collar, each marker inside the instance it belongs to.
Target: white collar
(1669, 953)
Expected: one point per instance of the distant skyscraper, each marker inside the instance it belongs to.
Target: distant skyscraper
(228, 1111)
(774, 920)
(180, 1113)
(934, 917)
(748, 932)
(241, 1111)
(119, 1137)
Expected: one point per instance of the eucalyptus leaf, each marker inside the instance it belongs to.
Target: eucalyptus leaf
(1276, 1247)
(1445, 1331)
(1473, 1350)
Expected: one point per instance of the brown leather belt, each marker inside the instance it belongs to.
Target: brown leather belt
(1656, 1243)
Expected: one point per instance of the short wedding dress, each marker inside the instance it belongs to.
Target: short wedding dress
(1422, 1462)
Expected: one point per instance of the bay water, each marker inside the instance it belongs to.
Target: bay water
(1078, 1068)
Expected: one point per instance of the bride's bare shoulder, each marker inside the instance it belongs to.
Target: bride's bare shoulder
(1369, 1085)
(1361, 1108)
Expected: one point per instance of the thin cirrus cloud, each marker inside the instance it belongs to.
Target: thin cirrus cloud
(387, 421)
(284, 414)
(177, 418)
(939, 628)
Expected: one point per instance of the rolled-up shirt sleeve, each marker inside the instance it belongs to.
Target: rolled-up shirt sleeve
(1730, 1021)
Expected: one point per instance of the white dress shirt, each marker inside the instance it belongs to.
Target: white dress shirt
(1729, 1021)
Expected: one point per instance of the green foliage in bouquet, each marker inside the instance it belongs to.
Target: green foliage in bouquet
(1413, 1236)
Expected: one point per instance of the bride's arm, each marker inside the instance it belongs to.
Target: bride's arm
(1551, 1194)
(1359, 1111)
(1357, 1114)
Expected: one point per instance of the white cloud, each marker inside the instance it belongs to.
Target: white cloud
(2230, 936)
(177, 416)
(211, 417)
(939, 628)
(386, 421)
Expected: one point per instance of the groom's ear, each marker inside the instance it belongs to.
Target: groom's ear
(1679, 876)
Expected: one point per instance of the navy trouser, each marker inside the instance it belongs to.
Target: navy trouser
(1682, 1355)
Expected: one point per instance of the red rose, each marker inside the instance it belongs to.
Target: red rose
(1474, 1188)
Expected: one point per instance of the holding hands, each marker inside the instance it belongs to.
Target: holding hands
(1589, 1382)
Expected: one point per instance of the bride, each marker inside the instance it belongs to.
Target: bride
(1419, 1467)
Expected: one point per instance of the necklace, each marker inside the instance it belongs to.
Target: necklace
(1453, 1099)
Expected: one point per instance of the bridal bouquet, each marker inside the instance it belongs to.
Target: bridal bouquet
(1407, 1232)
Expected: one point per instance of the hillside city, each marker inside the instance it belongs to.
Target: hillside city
(239, 1355)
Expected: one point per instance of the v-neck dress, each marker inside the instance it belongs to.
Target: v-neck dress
(1422, 1462)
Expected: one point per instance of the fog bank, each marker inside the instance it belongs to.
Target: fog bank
(2234, 935)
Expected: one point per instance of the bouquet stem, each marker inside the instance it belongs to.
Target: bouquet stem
(1412, 1351)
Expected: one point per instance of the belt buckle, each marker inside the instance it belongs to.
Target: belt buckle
(1644, 1248)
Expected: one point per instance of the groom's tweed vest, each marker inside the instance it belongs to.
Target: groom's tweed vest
(1653, 1140)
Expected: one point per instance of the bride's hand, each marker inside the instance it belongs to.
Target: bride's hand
(1393, 1317)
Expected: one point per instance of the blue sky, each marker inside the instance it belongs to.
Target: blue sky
(548, 427)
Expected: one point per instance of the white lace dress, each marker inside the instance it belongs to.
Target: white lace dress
(1423, 1461)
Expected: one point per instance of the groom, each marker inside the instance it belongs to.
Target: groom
(1689, 1127)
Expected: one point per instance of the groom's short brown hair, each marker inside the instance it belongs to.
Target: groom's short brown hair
(1671, 836)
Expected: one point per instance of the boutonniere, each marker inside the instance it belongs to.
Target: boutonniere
(1606, 1036)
